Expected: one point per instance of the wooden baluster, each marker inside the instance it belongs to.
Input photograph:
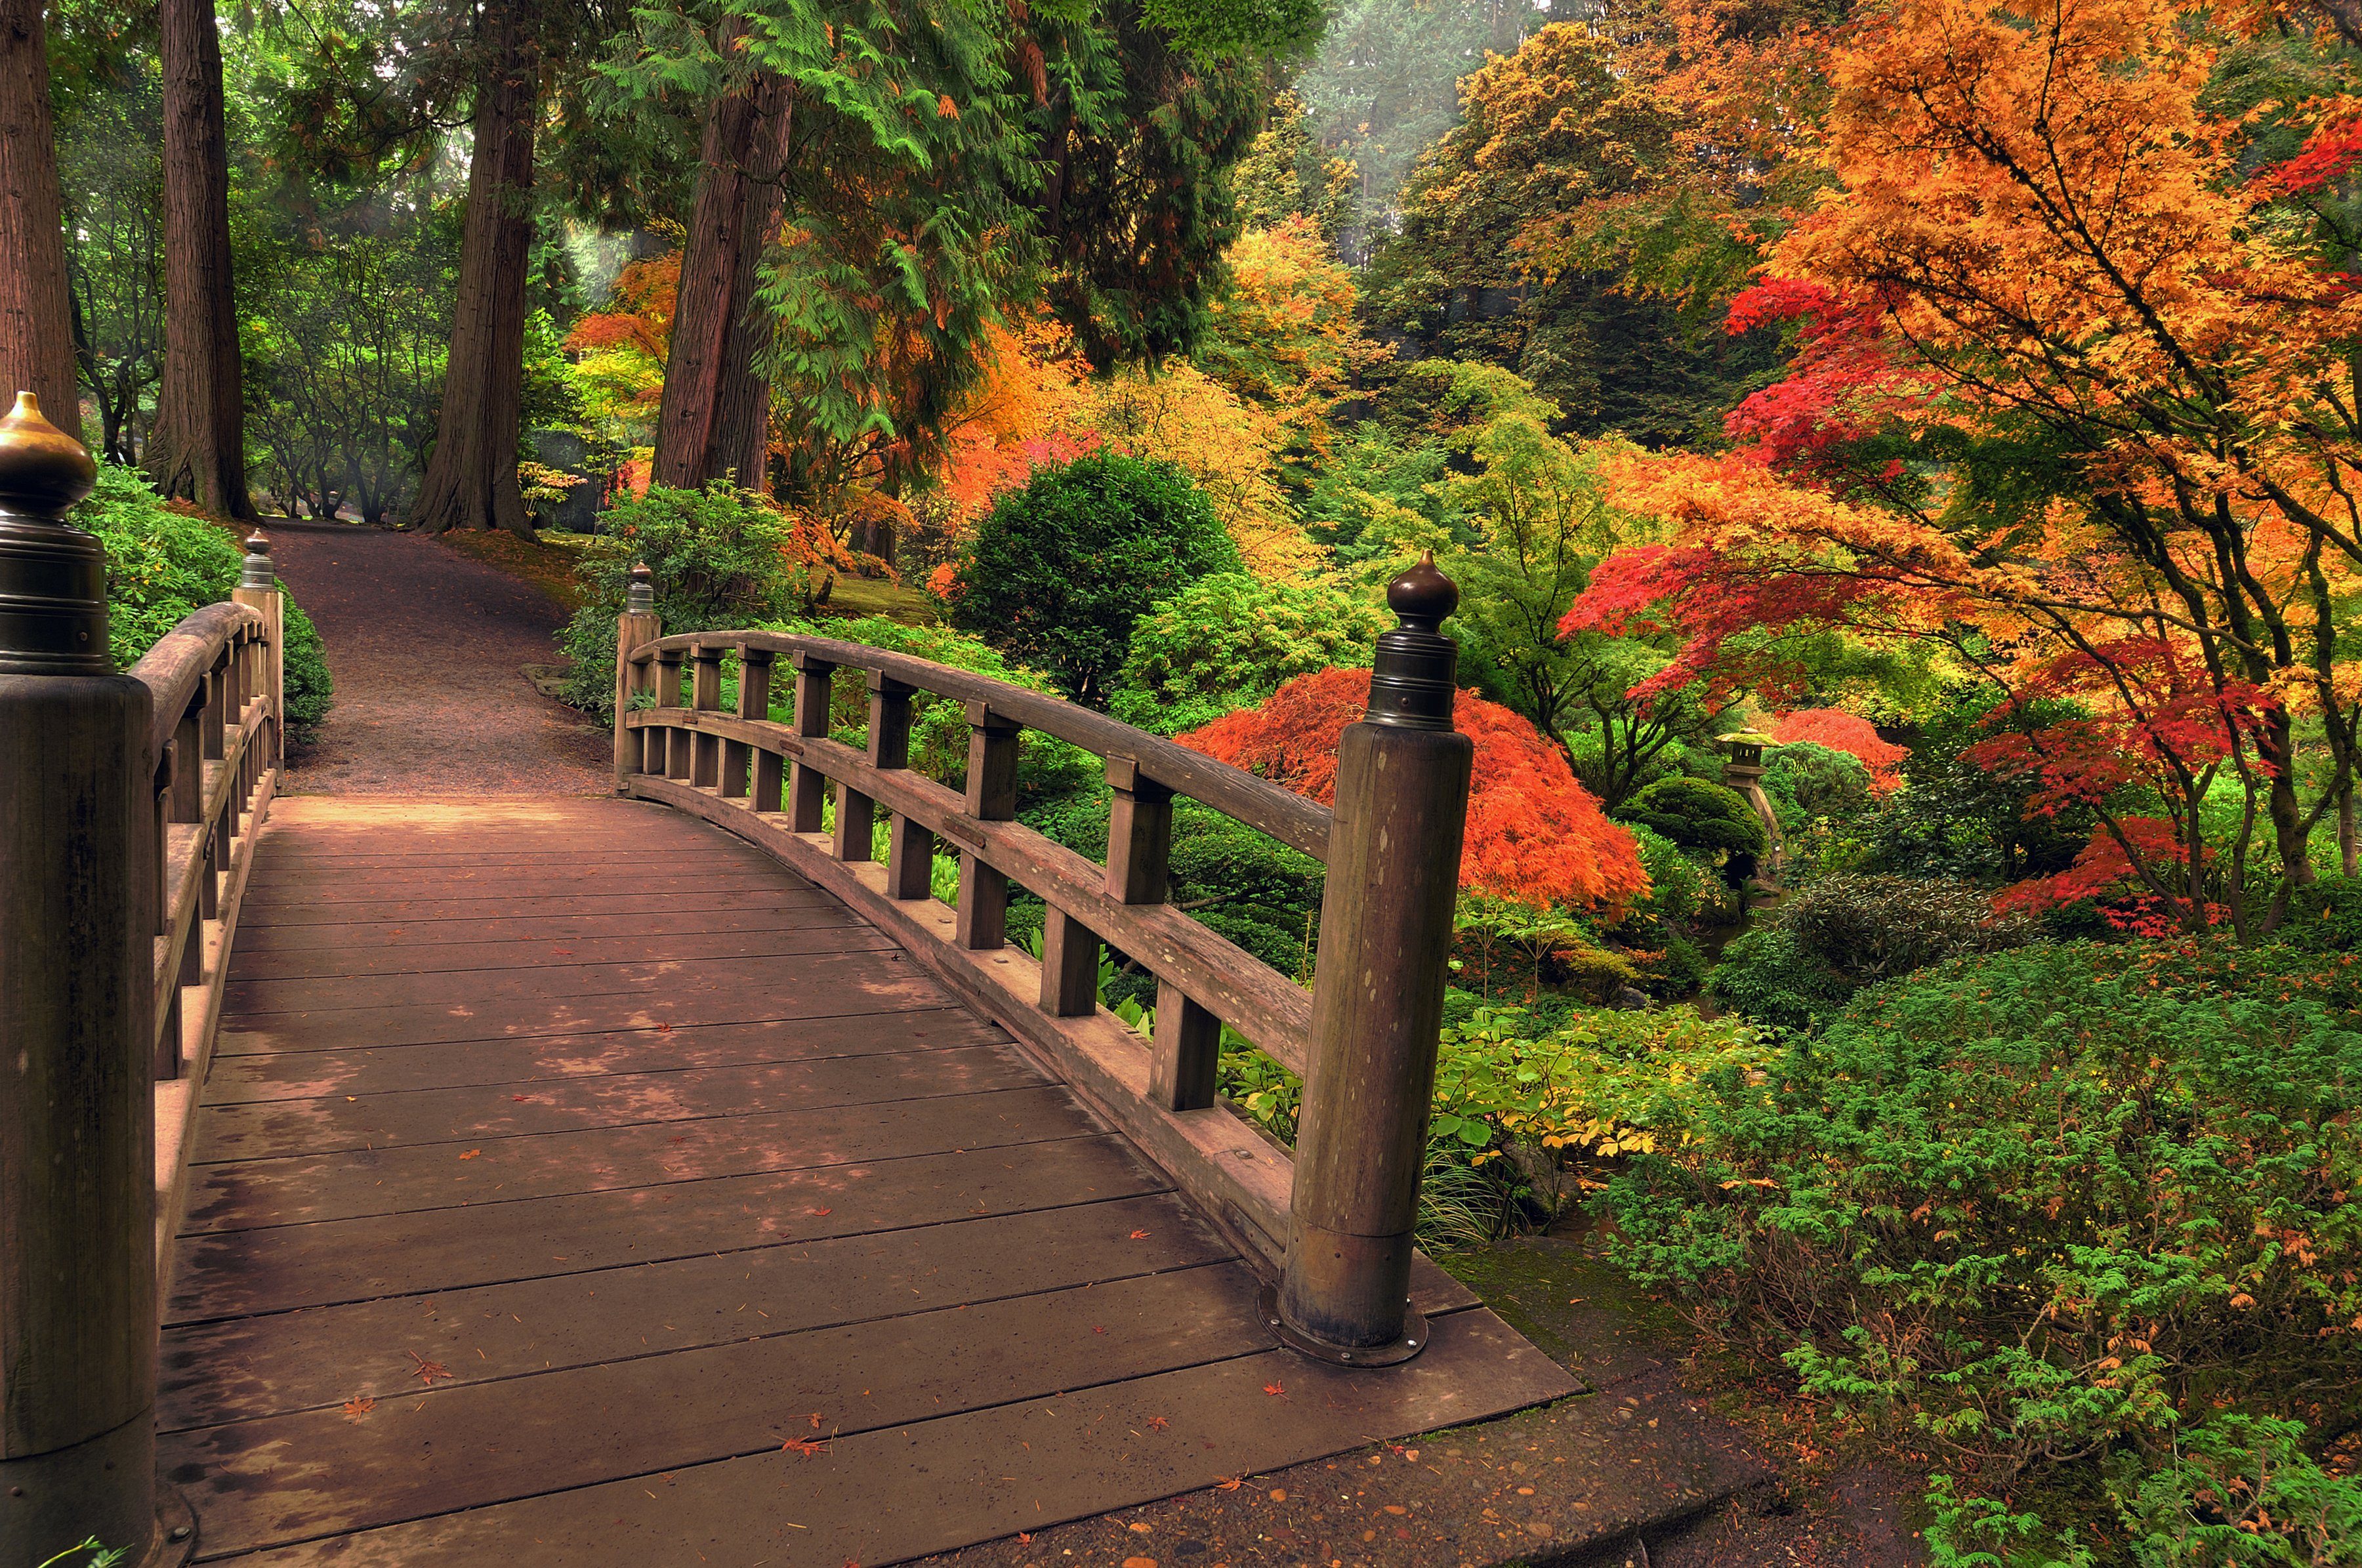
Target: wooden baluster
(889, 738)
(185, 803)
(910, 847)
(77, 1155)
(705, 697)
(673, 743)
(982, 921)
(1070, 966)
(804, 791)
(215, 690)
(258, 589)
(1377, 1001)
(635, 629)
(1188, 1039)
(233, 722)
(754, 702)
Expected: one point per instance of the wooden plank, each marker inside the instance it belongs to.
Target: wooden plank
(804, 931)
(816, 961)
(282, 873)
(326, 1125)
(262, 1483)
(499, 849)
(376, 887)
(821, 987)
(308, 1187)
(812, 908)
(906, 1492)
(304, 1075)
(236, 1273)
(243, 1367)
(651, 908)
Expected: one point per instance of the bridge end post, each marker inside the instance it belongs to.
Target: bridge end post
(635, 629)
(258, 589)
(1378, 1002)
(78, 875)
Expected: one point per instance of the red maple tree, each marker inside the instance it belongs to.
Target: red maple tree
(1849, 733)
(1534, 834)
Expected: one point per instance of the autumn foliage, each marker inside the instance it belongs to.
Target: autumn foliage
(1849, 732)
(1534, 835)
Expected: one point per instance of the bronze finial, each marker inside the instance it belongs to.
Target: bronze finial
(640, 593)
(52, 575)
(1411, 680)
(258, 572)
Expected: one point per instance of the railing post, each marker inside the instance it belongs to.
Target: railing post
(1377, 1003)
(1186, 1054)
(981, 920)
(754, 702)
(673, 743)
(258, 588)
(806, 790)
(636, 628)
(77, 1112)
(909, 848)
(705, 697)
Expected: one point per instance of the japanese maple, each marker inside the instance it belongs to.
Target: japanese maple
(1849, 732)
(1535, 835)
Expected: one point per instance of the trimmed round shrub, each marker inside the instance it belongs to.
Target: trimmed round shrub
(1806, 781)
(1061, 571)
(1697, 815)
(1227, 641)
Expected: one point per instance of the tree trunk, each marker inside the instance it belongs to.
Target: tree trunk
(471, 479)
(35, 306)
(715, 418)
(198, 448)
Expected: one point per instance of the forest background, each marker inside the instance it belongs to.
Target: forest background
(1952, 402)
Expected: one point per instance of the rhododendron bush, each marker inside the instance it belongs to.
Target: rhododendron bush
(1535, 835)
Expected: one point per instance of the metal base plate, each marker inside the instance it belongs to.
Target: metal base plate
(1412, 1341)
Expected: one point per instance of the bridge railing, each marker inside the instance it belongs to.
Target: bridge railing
(1334, 1221)
(127, 806)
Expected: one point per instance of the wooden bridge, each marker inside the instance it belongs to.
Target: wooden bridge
(663, 1179)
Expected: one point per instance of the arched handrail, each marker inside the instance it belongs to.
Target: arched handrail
(186, 654)
(1259, 803)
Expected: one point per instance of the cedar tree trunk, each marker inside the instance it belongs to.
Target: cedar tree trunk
(714, 419)
(35, 306)
(472, 480)
(198, 448)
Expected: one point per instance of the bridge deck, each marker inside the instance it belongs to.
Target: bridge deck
(577, 1186)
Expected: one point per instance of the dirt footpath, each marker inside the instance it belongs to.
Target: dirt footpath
(428, 650)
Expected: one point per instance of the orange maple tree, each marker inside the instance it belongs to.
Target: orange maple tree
(1534, 835)
(1849, 732)
(2077, 400)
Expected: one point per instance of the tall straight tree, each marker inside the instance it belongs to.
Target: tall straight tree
(198, 448)
(471, 477)
(35, 306)
(715, 420)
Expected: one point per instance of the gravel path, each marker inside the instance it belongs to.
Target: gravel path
(428, 649)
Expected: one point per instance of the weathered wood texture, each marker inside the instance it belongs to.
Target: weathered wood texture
(489, 1268)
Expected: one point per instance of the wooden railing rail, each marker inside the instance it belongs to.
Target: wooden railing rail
(1343, 1243)
(128, 808)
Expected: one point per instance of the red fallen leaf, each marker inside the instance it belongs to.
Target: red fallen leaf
(1274, 1390)
(356, 1409)
(1157, 1423)
(472, 1154)
(427, 1371)
(663, 1029)
(817, 1213)
(815, 1421)
(517, 1096)
(1229, 1483)
(1140, 1235)
(808, 1447)
(1023, 1539)
(1098, 1330)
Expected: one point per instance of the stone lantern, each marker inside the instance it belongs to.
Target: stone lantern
(1744, 773)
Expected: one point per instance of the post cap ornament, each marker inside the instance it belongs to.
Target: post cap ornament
(52, 575)
(1412, 676)
(257, 572)
(640, 593)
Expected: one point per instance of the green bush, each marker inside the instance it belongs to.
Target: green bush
(1846, 931)
(1678, 888)
(719, 559)
(2327, 916)
(2056, 1215)
(162, 565)
(1695, 814)
(1227, 641)
(1763, 975)
(1061, 569)
(1806, 782)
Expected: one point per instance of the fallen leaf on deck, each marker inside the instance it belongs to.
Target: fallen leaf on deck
(818, 1213)
(1229, 1483)
(1140, 1235)
(1274, 1390)
(356, 1409)
(1098, 1328)
(427, 1371)
(805, 1446)
(1157, 1423)
(472, 1154)
(815, 1421)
